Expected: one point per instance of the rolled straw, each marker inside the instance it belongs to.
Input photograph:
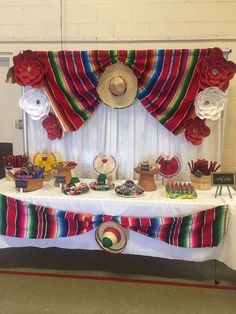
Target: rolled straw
(191, 170)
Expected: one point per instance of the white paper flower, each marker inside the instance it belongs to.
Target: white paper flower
(209, 103)
(35, 103)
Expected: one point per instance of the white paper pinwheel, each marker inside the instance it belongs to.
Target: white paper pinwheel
(35, 103)
(209, 103)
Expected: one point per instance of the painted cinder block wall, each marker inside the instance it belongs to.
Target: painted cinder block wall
(127, 24)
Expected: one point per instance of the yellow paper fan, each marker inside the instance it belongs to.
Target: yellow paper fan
(45, 160)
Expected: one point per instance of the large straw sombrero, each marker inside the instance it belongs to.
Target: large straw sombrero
(111, 237)
(117, 86)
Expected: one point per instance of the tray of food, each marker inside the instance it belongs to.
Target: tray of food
(129, 189)
(75, 189)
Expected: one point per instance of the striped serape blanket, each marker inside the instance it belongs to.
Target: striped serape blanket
(28, 221)
(167, 82)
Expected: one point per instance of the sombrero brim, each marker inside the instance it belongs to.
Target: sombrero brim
(118, 247)
(125, 100)
(171, 169)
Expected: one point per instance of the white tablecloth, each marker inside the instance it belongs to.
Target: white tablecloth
(151, 204)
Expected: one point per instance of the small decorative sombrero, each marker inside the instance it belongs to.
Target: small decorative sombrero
(170, 166)
(117, 86)
(111, 237)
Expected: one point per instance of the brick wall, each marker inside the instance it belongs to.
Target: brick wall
(127, 24)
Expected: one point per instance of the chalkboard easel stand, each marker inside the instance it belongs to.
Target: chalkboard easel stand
(219, 189)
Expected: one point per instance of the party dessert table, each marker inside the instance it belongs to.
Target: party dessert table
(151, 204)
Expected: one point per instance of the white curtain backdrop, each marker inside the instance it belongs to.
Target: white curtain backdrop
(130, 135)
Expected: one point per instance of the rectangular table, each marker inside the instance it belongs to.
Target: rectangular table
(151, 204)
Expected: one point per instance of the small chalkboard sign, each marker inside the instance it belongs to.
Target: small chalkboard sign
(223, 178)
(21, 184)
(60, 179)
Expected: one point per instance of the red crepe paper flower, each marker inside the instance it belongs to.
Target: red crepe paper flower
(215, 70)
(53, 127)
(196, 130)
(28, 70)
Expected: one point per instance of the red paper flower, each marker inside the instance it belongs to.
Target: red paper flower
(52, 125)
(195, 130)
(215, 70)
(28, 70)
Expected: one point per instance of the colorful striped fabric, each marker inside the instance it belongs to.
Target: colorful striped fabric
(24, 220)
(202, 229)
(167, 82)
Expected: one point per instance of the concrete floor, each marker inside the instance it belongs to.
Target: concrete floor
(61, 281)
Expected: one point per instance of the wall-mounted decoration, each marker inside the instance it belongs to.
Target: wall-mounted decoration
(53, 127)
(215, 70)
(35, 103)
(168, 81)
(210, 103)
(196, 130)
(28, 69)
(117, 86)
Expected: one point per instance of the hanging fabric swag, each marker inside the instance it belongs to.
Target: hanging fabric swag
(167, 82)
(28, 221)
